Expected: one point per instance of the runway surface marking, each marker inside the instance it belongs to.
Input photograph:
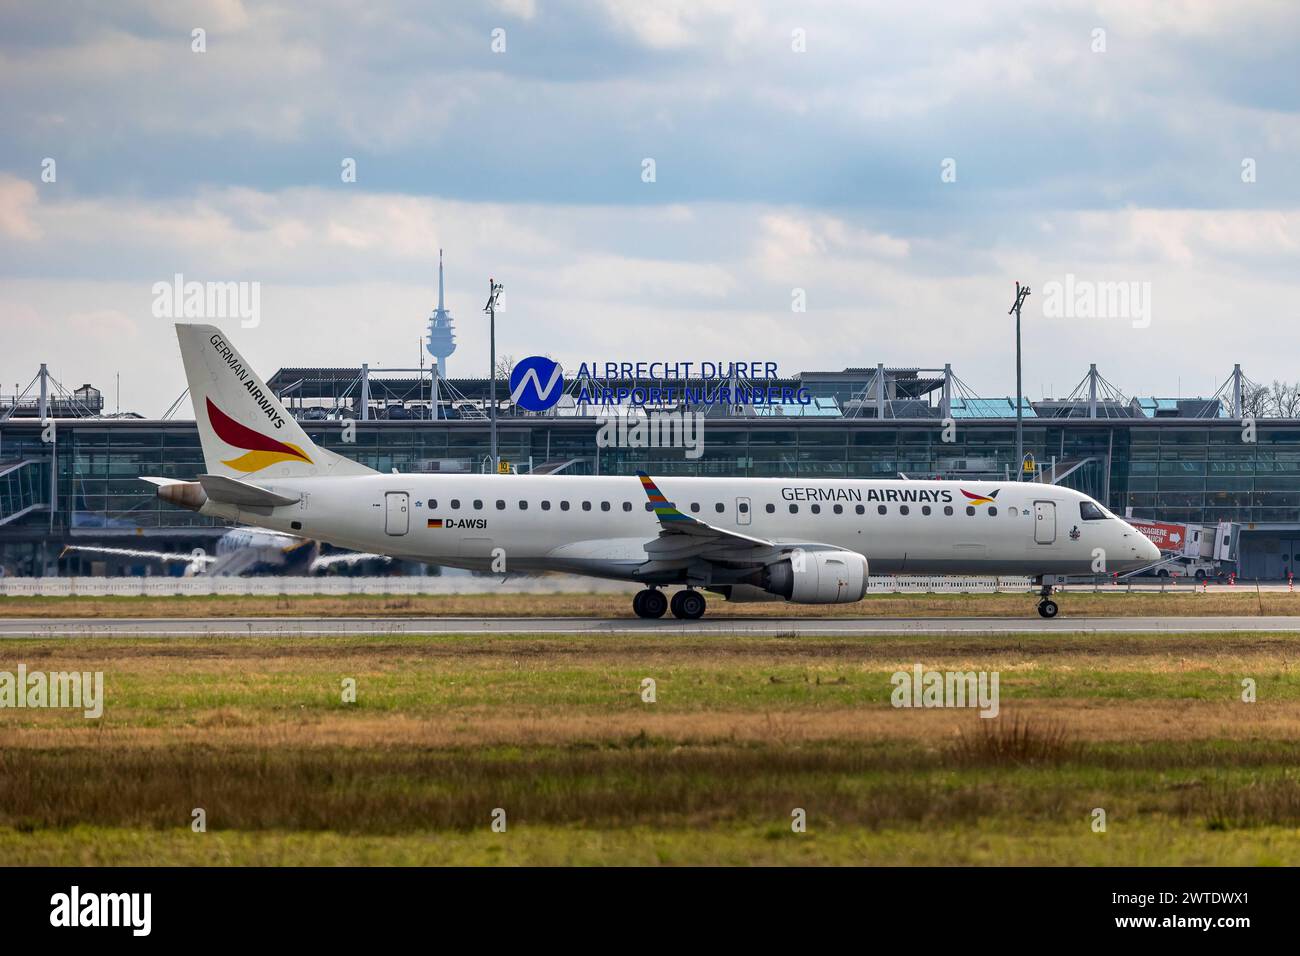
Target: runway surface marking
(375, 626)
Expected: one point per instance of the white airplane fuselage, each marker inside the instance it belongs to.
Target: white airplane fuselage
(600, 525)
(809, 541)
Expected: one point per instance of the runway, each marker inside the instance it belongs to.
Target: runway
(538, 626)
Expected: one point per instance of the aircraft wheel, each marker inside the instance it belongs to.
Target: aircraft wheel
(688, 605)
(1048, 609)
(649, 603)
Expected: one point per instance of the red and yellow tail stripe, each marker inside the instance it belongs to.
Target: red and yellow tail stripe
(262, 450)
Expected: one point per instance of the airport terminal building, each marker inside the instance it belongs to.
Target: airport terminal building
(1185, 460)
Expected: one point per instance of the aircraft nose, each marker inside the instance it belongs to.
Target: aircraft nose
(1146, 548)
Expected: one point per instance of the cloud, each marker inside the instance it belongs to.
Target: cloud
(350, 276)
(17, 199)
(776, 170)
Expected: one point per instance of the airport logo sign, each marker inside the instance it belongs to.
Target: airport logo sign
(527, 390)
(261, 450)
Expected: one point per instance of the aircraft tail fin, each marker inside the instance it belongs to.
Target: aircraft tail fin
(245, 432)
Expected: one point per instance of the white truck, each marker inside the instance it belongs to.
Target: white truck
(1193, 550)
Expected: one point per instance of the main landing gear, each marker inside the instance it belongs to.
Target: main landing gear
(1046, 606)
(649, 603)
(687, 605)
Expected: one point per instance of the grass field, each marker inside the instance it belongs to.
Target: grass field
(553, 730)
(1184, 601)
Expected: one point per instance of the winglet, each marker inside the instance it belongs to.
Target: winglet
(664, 509)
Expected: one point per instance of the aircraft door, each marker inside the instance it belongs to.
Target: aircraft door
(397, 512)
(744, 511)
(1044, 522)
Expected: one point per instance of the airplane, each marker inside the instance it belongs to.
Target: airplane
(802, 540)
(241, 551)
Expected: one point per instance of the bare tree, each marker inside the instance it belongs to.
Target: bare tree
(1286, 399)
(505, 365)
(1257, 401)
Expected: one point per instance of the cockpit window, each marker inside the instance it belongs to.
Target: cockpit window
(1090, 512)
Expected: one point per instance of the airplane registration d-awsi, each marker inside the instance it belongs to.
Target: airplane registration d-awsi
(808, 541)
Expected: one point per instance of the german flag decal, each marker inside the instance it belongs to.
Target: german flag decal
(260, 450)
(980, 499)
(435, 522)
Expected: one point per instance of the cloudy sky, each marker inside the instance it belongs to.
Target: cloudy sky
(901, 164)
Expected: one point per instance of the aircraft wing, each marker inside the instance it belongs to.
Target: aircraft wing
(347, 557)
(684, 540)
(187, 557)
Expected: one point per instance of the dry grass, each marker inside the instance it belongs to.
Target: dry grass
(1106, 603)
(553, 730)
(1138, 723)
(1018, 740)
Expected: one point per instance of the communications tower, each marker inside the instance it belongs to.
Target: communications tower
(441, 342)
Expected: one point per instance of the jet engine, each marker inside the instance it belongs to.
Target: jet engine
(817, 577)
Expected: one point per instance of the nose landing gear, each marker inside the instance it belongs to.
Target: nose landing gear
(1046, 606)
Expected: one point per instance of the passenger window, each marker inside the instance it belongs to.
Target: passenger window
(925, 509)
(455, 502)
(881, 509)
(718, 507)
(564, 506)
(794, 509)
(771, 509)
(993, 511)
(743, 508)
(523, 506)
(478, 504)
(839, 509)
(586, 506)
(627, 506)
(904, 509)
(546, 506)
(695, 506)
(433, 503)
(604, 506)
(947, 509)
(860, 510)
(970, 509)
(648, 507)
(501, 505)
(816, 509)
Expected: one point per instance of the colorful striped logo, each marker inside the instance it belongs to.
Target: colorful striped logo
(664, 509)
(980, 499)
(261, 450)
